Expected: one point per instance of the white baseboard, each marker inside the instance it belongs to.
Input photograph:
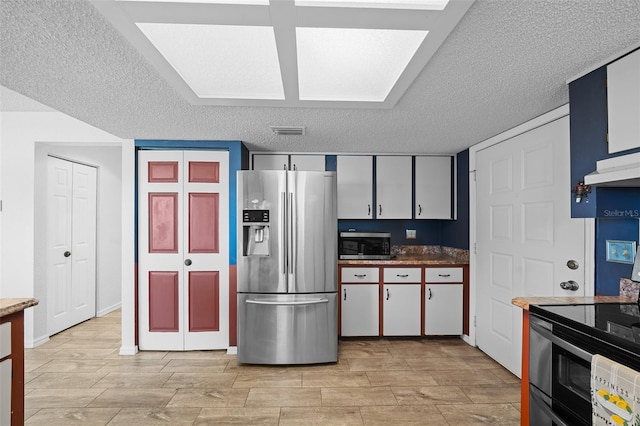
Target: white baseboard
(128, 350)
(232, 350)
(105, 311)
(36, 342)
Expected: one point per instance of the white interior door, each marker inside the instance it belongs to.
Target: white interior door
(525, 234)
(71, 236)
(183, 250)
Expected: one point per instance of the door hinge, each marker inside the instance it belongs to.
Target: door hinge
(475, 248)
(0, 205)
(475, 322)
(473, 172)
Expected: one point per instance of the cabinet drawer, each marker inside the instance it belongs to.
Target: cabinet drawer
(5, 339)
(360, 275)
(443, 275)
(402, 275)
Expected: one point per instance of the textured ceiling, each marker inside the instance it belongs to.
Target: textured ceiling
(505, 63)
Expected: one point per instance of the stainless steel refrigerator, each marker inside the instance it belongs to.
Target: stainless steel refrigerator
(287, 267)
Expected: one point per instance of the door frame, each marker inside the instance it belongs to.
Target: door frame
(589, 267)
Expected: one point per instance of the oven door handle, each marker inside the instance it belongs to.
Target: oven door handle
(580, 353)
(537, 394)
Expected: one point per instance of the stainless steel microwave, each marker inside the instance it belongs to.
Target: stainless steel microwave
(364, 245)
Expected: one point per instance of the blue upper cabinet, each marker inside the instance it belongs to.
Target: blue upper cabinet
(589, 128)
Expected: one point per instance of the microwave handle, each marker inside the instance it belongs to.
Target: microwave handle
(537, 394)
(580, 353)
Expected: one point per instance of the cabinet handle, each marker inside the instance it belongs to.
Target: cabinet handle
(345, 294)
(388, 294)
(369, 210)
(402, 275)
(419, 209)
(429, 293)
(360, 275)
(444, 275)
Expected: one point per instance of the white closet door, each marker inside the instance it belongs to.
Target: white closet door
(71, 229)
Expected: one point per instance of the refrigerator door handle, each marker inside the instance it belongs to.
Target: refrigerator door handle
(274, 302)
(283, 224)
(293, 219)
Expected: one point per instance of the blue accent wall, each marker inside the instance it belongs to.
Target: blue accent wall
(608, 274)
(238, 160)
(455, 233)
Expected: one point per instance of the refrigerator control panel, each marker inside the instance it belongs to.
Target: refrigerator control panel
(255, 215)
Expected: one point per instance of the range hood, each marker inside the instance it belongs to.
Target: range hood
(617, 172)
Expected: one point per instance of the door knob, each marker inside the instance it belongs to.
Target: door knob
(187, 262)
(572, 264)
(569, 285)
(67, 253)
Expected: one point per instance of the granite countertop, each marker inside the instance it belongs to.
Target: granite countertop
(411, 259)
(524, 302)
(11, 306)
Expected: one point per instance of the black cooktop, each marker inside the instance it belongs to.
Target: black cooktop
(616, 324)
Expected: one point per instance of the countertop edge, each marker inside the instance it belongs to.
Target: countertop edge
(402, 262)
(11, 306)
(525, 302)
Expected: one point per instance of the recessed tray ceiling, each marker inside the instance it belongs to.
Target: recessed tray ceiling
(306, 53)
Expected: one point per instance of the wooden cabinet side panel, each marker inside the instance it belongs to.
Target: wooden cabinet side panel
(17, 365)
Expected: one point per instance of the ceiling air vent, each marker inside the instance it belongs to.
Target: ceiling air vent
(287, 130)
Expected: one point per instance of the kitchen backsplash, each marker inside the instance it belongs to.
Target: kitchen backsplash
(629, 288)
(432, 250)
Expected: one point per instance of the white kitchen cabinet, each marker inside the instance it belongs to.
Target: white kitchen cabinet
(393, 186)
(300, 162)
(270, 162)
(443, 309)
(401, 293)
(623, 102)
(355, 186)
(359, 310)
(308, 163)
(433, 187)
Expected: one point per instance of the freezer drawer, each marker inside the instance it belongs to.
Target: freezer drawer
(287, 329)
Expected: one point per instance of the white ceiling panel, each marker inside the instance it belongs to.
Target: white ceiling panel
(221, 61)
(345, 64)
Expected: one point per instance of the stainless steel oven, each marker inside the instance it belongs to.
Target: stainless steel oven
(562, 341)
(559, 377)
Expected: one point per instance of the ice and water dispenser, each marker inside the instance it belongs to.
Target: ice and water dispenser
(255, 232)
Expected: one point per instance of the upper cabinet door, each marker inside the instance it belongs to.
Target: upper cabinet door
(355, 186)
(308, 163)
(393, 187)
(433, 188)
(623, 103)
(270, 162)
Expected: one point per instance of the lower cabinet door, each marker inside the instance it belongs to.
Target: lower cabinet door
(401, 310)
(359, 310)
(443, 309)
(5, 394)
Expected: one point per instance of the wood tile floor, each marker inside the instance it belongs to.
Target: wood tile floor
(79, 378)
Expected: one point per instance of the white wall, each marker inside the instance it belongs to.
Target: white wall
(25, 140)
